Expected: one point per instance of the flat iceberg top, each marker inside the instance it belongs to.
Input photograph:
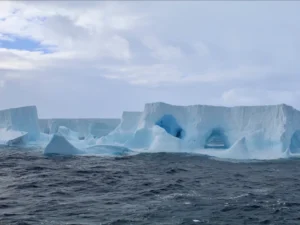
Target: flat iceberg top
(28, 107)
(163, 104)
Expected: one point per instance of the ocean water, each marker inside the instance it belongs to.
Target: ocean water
(160, 188)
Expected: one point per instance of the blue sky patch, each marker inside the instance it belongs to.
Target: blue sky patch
(24, 44)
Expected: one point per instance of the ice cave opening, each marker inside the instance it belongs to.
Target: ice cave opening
(217, 139)
(295, 142)
(169, 123)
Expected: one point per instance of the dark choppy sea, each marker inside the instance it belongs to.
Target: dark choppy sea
(146, 189)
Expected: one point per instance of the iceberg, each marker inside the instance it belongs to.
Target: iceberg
(84, 127)
(18, 123)
(68, 133)
(124, 131)
(59, 145)
(242, 132)
(12, 137)
(239, 132)
(75, 139)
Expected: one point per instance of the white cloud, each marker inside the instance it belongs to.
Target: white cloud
(17, 59)
(5, 38)
(162, 51)
(64, 27)
(104, 33)
(201, 49)
(171, 74)
(2, 83)
(205, 49)
(145, 75)
(247, 96)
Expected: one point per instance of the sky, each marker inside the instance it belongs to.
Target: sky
(84, 59)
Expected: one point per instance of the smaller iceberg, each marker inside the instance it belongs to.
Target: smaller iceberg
(12, 137)
(74, 138)
(59, 145)
(67, 133)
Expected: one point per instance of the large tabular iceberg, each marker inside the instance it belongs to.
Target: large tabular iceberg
(246, 131)
(16, 122)
(258, 132)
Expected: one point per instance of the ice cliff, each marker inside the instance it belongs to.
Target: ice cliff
(84, 127)
(16, 122)
(124, 131)
(164, 127)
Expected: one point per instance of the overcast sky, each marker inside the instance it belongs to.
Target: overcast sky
(96, 59)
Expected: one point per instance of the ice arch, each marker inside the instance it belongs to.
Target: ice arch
(169, 123)
(217, 139)
(295, 142)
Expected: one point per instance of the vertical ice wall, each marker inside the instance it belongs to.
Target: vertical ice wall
(271, 128)
(264, 126)
(124, 131)
(85, 127)
(21, 119)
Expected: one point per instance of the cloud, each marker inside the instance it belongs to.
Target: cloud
(2, 83)
(171, 74)
(213, 52)
(5, 38)
(131, 39)
(67, 28)
(162, 51)
(246, 96)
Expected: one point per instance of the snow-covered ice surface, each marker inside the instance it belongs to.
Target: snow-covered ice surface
(248, 132)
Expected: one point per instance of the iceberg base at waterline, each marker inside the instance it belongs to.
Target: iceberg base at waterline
(12, 137)
(59, 145)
